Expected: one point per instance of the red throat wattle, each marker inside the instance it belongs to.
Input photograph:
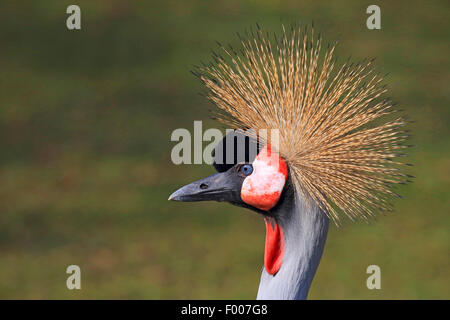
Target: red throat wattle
(274, 248)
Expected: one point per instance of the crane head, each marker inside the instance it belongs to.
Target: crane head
(253, 180)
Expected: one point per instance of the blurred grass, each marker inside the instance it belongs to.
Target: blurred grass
(85, 122)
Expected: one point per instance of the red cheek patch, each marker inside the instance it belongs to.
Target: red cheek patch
(262, 189)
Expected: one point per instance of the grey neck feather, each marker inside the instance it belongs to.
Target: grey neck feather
(305, 231)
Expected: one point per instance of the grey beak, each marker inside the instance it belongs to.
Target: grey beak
(217, 187)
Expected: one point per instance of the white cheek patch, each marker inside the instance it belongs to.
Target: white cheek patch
(264, 180)
(263, 188)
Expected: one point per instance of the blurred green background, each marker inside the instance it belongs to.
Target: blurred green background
(85, 169)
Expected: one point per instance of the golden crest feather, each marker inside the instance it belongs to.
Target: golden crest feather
(340, 154)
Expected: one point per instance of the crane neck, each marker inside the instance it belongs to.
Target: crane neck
(302, 229)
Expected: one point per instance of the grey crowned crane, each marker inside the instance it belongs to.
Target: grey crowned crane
(335, 153)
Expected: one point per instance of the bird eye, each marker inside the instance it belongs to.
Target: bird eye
(247, 169)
